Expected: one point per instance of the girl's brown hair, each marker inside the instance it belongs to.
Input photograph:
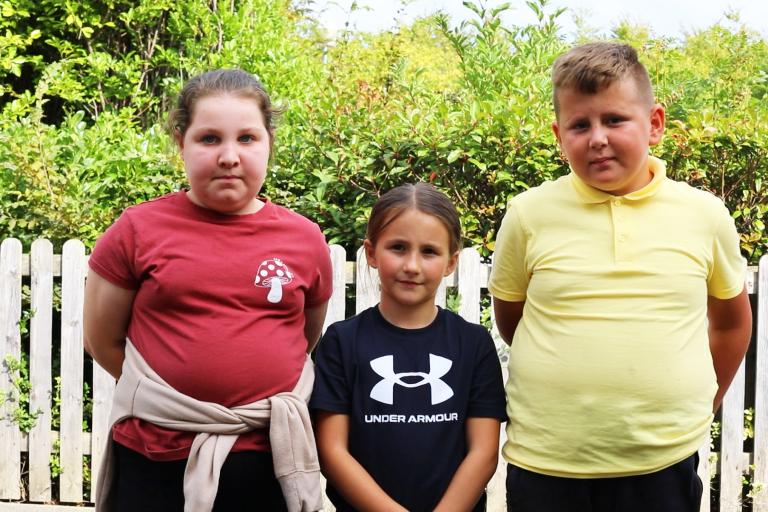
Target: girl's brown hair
(221, 81)
(418, 196)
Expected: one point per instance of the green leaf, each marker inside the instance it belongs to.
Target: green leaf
(454, 155)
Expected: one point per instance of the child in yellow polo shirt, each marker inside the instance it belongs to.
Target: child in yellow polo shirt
(621, 294)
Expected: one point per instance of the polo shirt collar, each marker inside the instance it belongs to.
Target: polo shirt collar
(592, 195)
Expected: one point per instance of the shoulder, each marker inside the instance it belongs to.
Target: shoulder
(297, 220)
(538, 206)
(702, 202)
(463, 328)
(351, 325)
(341, 337)
(547, 191)
(145, 215)
(300, 227)
(133, 219)
(687, 192)
(162, 203)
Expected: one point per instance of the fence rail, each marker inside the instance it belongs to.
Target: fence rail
(27, 301)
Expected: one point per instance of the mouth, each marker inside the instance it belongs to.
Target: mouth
(602, 160)
(227, 177)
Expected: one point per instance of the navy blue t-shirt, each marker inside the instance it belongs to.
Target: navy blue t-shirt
(408, 394)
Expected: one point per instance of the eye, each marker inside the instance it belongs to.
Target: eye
(209, 139)
(615, 120)
(397, 247)
(246, 138)
(430, 251)
(579, 125)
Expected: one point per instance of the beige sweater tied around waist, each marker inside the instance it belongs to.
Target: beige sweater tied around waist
(141, 393)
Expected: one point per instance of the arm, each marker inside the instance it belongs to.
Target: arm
(343, 471)
(730, 328)
(106, 313)
(508, 315)
(313, 324)
(476, 469)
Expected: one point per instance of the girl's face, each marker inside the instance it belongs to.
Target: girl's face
(225, 151)
(412, 254)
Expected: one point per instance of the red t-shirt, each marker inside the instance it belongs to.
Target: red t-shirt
(219, 306)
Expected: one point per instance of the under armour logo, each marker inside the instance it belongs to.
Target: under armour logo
(438, 366)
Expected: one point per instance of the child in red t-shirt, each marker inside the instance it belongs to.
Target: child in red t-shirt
(221, 292)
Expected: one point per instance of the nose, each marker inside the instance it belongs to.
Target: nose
(598, 137)
(229, 157)
(411, 263)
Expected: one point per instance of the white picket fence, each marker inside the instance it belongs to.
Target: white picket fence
(25, 457)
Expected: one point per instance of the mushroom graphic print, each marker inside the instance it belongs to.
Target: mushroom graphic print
(273, 274)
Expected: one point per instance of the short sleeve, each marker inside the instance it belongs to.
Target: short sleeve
(726, 276)
(322, 285)
(486, 396)
(113, 257)
(509, 273)
(331, 389)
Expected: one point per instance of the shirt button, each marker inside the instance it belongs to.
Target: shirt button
(617, 202)
(622, 238)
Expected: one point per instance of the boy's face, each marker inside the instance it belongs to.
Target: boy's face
(605, 136)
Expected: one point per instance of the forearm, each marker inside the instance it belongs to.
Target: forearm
(478, 466)
(110, 356)
(355, 484)
(730, 328)
(507, 316)
(106, 314)
(313, 324)
(728, 347)
(469, 481)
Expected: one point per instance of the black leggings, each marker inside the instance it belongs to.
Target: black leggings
(247, 482)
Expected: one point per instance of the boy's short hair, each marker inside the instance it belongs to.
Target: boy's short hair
(591, 67)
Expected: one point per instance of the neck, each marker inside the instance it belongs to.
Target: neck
(407, 316)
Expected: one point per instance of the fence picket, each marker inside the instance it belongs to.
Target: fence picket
(468, 285)
(442, 291)
(40, 359)
(704, 473)
(103, 392)
(760, 475)
(366, 284)
(338, 300)
(10, 346)
(732, 445)
(72, 283)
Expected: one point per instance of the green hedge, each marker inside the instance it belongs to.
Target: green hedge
(467, 108)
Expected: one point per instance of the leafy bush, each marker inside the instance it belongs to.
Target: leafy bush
(468, 108)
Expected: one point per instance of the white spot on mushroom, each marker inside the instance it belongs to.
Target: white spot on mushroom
(280, 273)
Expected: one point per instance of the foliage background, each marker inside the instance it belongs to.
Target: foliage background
(85, 87)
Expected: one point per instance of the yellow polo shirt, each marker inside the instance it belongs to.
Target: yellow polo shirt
(610, 372)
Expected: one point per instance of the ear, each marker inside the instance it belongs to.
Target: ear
(452, 264)
(658, 117)
(179, 138)
(556, 131)
(370, 254)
